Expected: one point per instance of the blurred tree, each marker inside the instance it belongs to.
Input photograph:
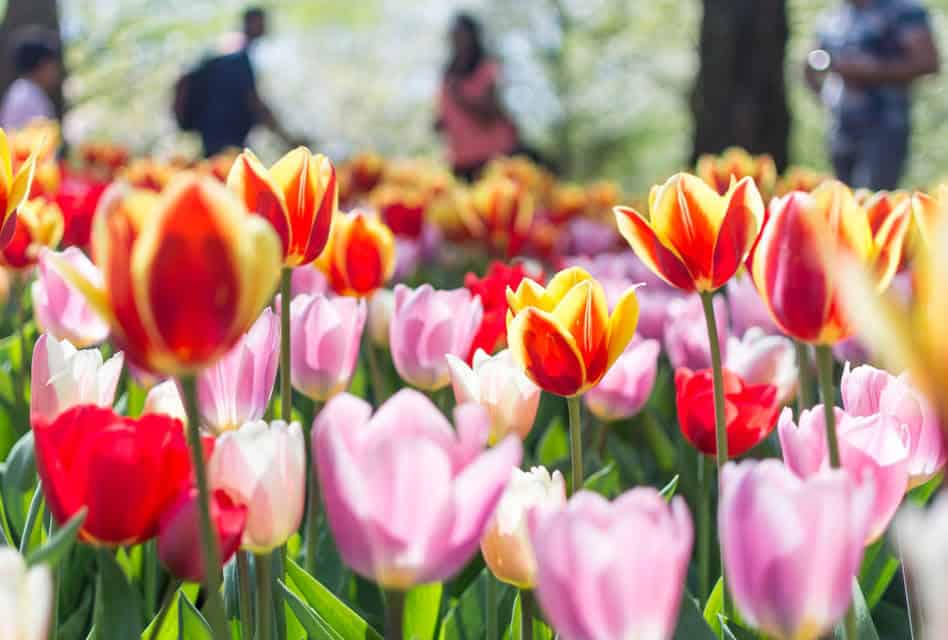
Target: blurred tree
(20, 13)
(739, 97)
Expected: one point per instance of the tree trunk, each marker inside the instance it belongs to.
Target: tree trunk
(739, 97)
(21, 13)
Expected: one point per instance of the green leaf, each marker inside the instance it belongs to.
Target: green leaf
(554, 445)
(169, 626)
(714, 612)
(865, 628)
(191, 624)
(605, 481)
(59, 543)
(541, 631)
(316, 628)
(21, 464)
(121, 610)
(668, 491)
(74, 626)
(731, 630)
(422, 606)
(691, 625)
(334, 611)
(465, 620)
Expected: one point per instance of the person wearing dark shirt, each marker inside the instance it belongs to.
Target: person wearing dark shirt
(231, 106)
(867, 56)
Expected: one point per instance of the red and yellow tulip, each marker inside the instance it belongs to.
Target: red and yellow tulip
(501, 214)
(734, 164)
(39, 224)
(694, 239)
(800, 179)
(793, 264)
(297, 195)
(360, 256)
(563, 336)
(185, 272)
(14, 188)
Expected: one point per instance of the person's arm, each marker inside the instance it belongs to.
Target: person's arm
(919, 58)
(264, 115)
(484, 104)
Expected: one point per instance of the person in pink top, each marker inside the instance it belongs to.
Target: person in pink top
(471, 118)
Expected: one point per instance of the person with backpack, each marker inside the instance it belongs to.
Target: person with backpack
(219, 98)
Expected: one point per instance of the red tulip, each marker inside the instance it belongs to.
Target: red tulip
(492, 290)
(126, 472)
(750, 410)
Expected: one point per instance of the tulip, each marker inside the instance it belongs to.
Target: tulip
(654, 311)
(426, 326)
(238, 387)
(590, 237)
(790, 268)
(77, 198)
(125, 471)
(179, 528)
(613, 570)
(379, 315)
(923, 547)
(402, 209)
(360, 256)
(64, 377)
(867, 391)
(736, 163)
(39, 224)
(501, 214)
(746, 309)
(567, 201)
(761, 359)
(874, 446)
(165, 399)
(326, 333)
(686, 334)
(625, 389)
(310, 280)
(407, 497)
(498, 385)
(563, 336)
(186, 272)
(26, 598)
(791, 547)
(148, 174)
(492, 290)
(506, 543)
(16, 187)
(298, 196)
(264, 467)
(800, 179)
(694, 239)
(60, 309)
(750, 411)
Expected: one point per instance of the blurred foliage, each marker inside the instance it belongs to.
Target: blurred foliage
(599, 85)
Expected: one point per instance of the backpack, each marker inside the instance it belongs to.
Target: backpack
(190, 94)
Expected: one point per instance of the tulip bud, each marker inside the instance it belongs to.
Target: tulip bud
(165, 399)
(15, 187)
(26, 597)
(626, 387)
(506, 543)
(360, 255)
(761, 359)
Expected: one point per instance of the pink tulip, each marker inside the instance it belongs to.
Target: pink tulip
(237, 388)
(407, 257)
(426, 326)
(759, 358)
(626, 387)
(264, 467)
(326, 334)
(590, 237)
(308, 280)
(408, 497)
(873, 447)
(612, 570)
(498, 385)
(686, 333)
(63, 377)
(746, 308)
(868, 391)
(851, 350)
(791, 546)
(165, 399)
(920, 538)
(60, 309)
(655, 311)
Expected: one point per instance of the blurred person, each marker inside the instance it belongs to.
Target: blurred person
(868, 54)
(36, 59)
(471, 119)
(219, 98)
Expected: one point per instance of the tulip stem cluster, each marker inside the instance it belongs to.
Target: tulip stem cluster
(394, 613)
(209, 552)
(286, 391)
(262, 564)
(575, 443)
(246, 604)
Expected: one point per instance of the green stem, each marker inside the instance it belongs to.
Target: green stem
(824, 363)
(21, 374)
(246, 604)
(312, 510)
(166, 602)
(379, 388)
(150, 577)
(805, 398)
(659, 442)
(209, 552)
(526, 614)
(279, 573)
(262, 566)
(394, 613)
(490, 606)
(575, 442)
(704, 528)
(851, 628)
(286, 390)
(31, 517)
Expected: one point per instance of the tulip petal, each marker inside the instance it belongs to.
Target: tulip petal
(257, 189)
(687, 218)
(622, 324)
(739, 228)
(548, 355)
(643, 240)
(889, 242)
(584, 313)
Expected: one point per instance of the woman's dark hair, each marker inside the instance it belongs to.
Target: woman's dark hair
(33, 46)
(463, 65)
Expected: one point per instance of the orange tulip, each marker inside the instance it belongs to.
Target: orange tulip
(298, 196)
(501, 213)
(14, 188)
(800, 179)
(735, 163)
(926, 212)
(567, 201)
(147, 173)
(563, 336)
(360, 256)
(186, 272)
(39, 224)
(791, 269)
(694, 239)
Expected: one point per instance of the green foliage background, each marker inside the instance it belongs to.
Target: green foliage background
(602, 85)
